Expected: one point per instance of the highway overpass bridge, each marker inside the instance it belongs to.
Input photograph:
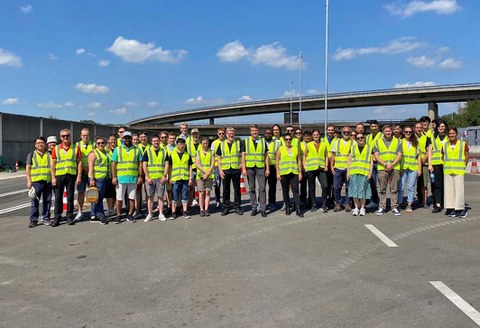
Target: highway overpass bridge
(387, 97)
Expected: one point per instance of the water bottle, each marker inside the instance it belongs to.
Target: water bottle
(432, 177)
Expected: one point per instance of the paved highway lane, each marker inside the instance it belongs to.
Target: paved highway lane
(13, 195)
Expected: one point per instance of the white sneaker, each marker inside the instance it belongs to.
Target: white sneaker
(148, 218)
(362, 211)
(79, 217)
(395, 211)
(162, 217)
(355, 212)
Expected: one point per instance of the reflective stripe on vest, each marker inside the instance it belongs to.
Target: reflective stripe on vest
(437, 145)
(66, 160)
(85, 150)
(315, 159)
(40, 169)
(206, 160)
(329, 145)
(254, 156)
(156, 163)
(216, 144)
(341, 153)
(409, 157)
(272, 151)
(192, 150)
(288, 163)
(127, 161)
(388, 155)
(101, 165)
(360, 163)
(230, 157)
(454, 159)
(180, 167)
(372, 141)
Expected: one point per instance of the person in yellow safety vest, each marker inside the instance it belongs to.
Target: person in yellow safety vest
(99, 163)
(163, 139)
(155, 169)
(171, 145)
(424, 145)
(193, 144)
(338, 166)
(426, 128)
(256, 166)
(388, 152)
(86, 146)
(455, 154)
(272, 147)
(229, 164)
(39, 178)
(218, 180)
(289, 172)
(65, 171)
(181, 177)
(110, 193)
(205, 165)
(359, 172)
(315, 164)
(121, 131)
(329, 139)
(126, 175)
(277, 132)
(435, 165)
(168, 188)
(410, 166)
(299, 139)
(371, 140)
(143, 145)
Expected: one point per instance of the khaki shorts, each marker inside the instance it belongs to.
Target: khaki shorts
(156, 188)
(203, 185)
(129, 188)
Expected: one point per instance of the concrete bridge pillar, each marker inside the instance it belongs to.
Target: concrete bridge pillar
(433, 110)
(212, 121)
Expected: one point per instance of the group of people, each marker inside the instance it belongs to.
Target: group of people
(168, 167)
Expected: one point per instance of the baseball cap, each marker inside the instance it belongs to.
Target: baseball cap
(127, 134)
(194, 130)
(52, 139)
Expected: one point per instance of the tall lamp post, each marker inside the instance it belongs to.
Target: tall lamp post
(291, 102)
(300, 91)
(326, 65)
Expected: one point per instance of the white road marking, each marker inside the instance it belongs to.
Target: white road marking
(458, 301)
(14, 208)
(14, 192)
(380, 235)
(21, 175)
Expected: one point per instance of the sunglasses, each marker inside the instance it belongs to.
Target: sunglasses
(163, 137)
(121, 131)
(360, 138)
(220, 133)
(298, 132)
(289, 131)
(345, 132)
(408, 132)
(65, 136)
(100, 143)
(288, 139)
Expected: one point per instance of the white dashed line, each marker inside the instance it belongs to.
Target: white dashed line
(458, 301)
(14, 193)
(380, 235)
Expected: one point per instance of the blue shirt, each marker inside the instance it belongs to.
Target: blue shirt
(127, 178)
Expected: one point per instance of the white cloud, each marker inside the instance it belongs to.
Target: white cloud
(195, 101)
(416, 84)
(49, 105)
(443, 50)
(68, 104)
(451, 63)
(313, 92)
(52, 57)
(94, 104)
(9, 59)
(422, 61)
(152, 104)
(205, 102)
(133, 51)
(131, 104)
(232, 51)
(245, 98)
(11, 101)
(26, 9)
(92, 88)
(397, 46)
(442, 7)
(90, 114)
(119, 111)
(80, 51)
(103, 63)
(290, 93)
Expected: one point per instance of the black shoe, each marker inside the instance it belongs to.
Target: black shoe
(225, 211)
(173, 216)
(437, 209)
(55, 223)
(288, 210)
(118, 220)
(264, 214)
(313, 209)
(103, 220)
(299, 212)
(238, 211)
(324, 209)
(33, 224)
(254, 212)
(168, 212)
(462, 214)
(448, 211)
(70, 221)
(131, 219)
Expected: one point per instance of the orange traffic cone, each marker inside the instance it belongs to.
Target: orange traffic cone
(16, 166)
(196, 190)
(474, 169)
(243, 190)
(65, 201)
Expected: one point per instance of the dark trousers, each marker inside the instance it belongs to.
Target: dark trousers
(339, 179)
(303, 189)
(312, 176)
(231, 176)
(373, 184)
(330, 186)
(290, 180)
(272, 185)
(218, 183)
(67, 182)
(43, 189)
(437, 186)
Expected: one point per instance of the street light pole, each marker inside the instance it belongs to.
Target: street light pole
(300, 90)
(326, 66)
(291, 102)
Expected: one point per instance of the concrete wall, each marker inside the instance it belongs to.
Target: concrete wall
(17, 134)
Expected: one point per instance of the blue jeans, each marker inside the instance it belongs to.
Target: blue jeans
(409, 178)
(97, 208)
(180, 189)
(339, 179)
(42, 189)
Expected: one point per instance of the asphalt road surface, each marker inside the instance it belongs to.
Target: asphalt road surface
(323, 270)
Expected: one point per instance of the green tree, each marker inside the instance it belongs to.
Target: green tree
(467, 115)
(87, 121)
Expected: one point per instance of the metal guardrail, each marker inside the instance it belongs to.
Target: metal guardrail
(312, 97)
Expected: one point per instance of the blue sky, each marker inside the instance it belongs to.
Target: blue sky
(113, 62)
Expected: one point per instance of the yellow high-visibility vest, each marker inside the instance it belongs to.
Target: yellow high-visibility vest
(388, 155)
(329, 145)
(437, 146)
(360, 163)
(409, 157)
(341, 153)
(101, 165)
(127, 164)
(315, 159)
(230, 157)
(85, 149)
(66, 160)
(454, 159)
(255, 156)
(156, 163)
(206, 159)
(272, 150)
(40, 169)
(180, 167)
(288, 162)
